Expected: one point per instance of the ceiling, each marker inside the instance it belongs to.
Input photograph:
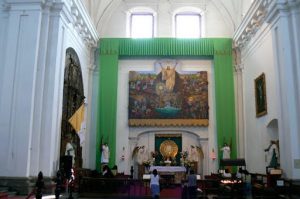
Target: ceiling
(231, 10)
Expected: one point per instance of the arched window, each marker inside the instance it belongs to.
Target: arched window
(188, 23)
(141, 23)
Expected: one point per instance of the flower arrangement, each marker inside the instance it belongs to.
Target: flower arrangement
(147, 163)
(184, 154)
(154, 154)
(187, 163)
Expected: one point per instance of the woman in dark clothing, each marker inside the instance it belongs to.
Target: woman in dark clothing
(107, 172)
(192, 184)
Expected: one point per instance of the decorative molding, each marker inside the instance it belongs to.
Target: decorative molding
(201, 139)
(168, 135)
(4, 6)
(73, 11)
(282, 6)
(252, 21)
(83, 23)
(261, 11)
(92, 67)
(238, 68)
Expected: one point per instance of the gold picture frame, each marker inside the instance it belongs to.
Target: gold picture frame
(260, 95)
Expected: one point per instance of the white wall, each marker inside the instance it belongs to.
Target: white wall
(269, 42)
(36, 38)
(257, 60)
(126, 133)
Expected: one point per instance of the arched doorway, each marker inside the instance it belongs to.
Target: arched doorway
(73, 97)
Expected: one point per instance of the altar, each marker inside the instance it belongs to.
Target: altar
(172, 169)
(171, 173)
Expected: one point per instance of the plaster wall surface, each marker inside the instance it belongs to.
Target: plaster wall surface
(259, 59)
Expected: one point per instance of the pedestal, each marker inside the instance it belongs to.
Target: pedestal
(141, 171)
(194, 166)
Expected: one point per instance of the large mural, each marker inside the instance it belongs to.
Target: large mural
(168, 98)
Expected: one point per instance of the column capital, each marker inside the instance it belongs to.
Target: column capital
(238, 68)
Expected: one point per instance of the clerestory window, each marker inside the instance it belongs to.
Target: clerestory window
(141, 25)
(187, 25)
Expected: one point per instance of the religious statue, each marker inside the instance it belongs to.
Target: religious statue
(70, 151)
(105, 154)
(226, 151)
(273, 154)
(142, 155)
(194, 154)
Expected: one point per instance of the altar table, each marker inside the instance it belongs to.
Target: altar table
(173, 169)
(170, 173)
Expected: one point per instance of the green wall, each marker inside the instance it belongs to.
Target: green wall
(112, 49)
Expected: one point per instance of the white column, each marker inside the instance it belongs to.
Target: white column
(286, 34)
(52, 95)
(38, 98)
(133, 141)
(239, 106)
(18, 86)
(204, 169)
(92, 117)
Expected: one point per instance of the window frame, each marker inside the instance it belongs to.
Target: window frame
(141, 14)
(188, 14)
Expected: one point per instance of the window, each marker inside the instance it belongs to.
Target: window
(141, 25)
(188, 25)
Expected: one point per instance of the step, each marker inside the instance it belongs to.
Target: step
(3, 189)
(3, 195)
(11, 193)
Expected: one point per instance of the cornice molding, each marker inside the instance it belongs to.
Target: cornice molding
(252, 21)
(261, 11)
(72, 10)
(282, 6)
(83, 23)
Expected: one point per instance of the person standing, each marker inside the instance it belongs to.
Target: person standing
(154, 184)
(39, 185)
(192, 184)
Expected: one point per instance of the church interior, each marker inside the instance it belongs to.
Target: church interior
(96, 96)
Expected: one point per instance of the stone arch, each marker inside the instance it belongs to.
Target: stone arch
(73, 97)
(146, 138)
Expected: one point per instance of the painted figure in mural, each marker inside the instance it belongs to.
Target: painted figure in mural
(105, 154)
(70, 151)
(168, 75)
(226, 151)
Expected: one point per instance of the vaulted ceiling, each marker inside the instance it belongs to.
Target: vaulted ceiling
(232, 11)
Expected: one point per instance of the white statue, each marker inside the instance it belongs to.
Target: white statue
(70, 151)
(226, 151)
(194, 156)
(142, 155)
(273, 149)
(105, 154)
